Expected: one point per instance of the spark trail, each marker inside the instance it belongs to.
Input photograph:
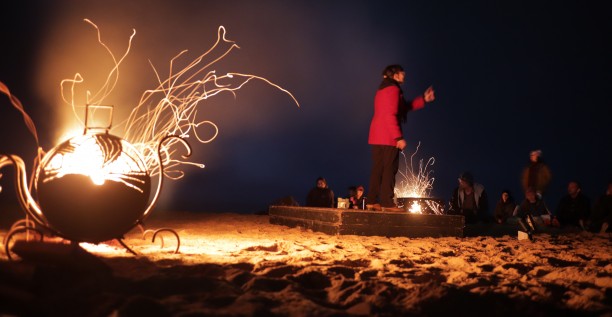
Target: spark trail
(413, 183)
(171, 108)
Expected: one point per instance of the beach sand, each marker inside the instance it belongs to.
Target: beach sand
(241, 265)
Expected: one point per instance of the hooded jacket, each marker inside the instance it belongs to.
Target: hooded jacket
(480, 197)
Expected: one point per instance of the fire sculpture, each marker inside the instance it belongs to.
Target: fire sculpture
(90, 188)
(96, 186)
(413, 191)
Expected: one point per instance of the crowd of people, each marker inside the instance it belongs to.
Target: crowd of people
(531, 214)
(469, 198)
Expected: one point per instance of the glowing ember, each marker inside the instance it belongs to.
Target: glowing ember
(90, 158)
(415, 208)
(96, 154)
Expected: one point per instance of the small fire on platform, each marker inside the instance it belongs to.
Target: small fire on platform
(418, 205)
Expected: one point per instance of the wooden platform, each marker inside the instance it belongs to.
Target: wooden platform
(368, 223)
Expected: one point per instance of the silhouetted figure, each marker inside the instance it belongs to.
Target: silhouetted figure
(386, 138)
(574, 208)
(470, 200)
(601, 216)
(320, 195)
(504, 208)
(536, 175)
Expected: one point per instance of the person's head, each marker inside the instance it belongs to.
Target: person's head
(573, 188)
(321, 182)
(360, 190)
(535, 155)
(530, 194)
(395, 72)
(505, 195)
(466, 180)
(609, 189)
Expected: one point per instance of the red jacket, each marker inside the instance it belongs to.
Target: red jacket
(385, 128)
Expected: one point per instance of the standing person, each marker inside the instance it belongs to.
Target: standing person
(505, 207)
(574, 208)
(470, 200)
(320, 195)
(537, 174)
(386, 138)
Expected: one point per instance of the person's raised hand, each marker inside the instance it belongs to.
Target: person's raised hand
(429, 94)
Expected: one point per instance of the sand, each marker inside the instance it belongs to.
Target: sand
(241, 265)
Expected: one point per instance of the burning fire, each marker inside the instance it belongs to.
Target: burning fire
(78, 210)
(90, 158)
(415, 184)
(415, 208)
(170, 108)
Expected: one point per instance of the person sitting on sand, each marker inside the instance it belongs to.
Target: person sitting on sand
(470, 200)
(320, 195)
(533, 213)
(505, 207)
(574, 208)
(358, 199)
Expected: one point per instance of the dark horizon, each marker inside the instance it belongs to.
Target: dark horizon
(509, 78)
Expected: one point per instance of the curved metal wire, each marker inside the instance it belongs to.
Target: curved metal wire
(24, 197)
(161, 170)
(178, 240)
(15, 231)
(32, 209)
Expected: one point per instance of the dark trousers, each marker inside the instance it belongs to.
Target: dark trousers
(385, 162)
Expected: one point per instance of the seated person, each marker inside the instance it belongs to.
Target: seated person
(533, 212)
(601, 218)
(358, 200)
(320, 195)
(470, 200)
(574, 208)
(505, 207)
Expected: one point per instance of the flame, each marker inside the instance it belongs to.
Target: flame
(87, 159)
(88, 155)
(415, 208)
(171, 107)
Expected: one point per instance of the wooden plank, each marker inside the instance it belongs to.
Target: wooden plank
(401, 219)
(403, 231)
(367, 223)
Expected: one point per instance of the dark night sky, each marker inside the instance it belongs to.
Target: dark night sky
(510, 77)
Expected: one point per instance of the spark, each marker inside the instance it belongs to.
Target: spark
(417, 184)
(171, 108)
(435, 206)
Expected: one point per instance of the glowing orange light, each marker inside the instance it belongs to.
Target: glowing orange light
(415, 208)
(103, 209)
(171, 107)
(88, 157)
